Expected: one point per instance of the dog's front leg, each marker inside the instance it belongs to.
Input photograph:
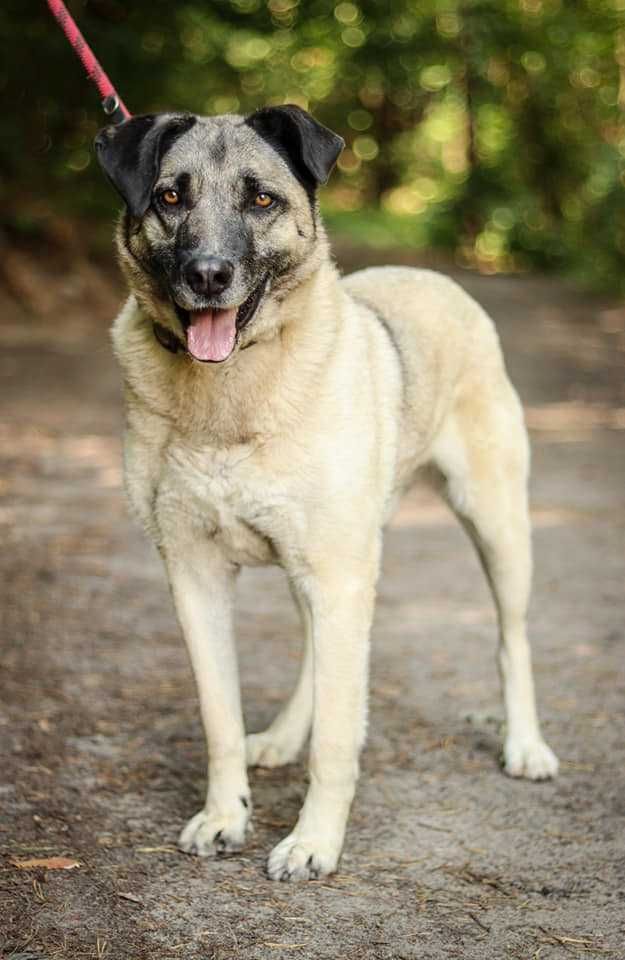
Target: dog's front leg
(341, 607)
(202, 586)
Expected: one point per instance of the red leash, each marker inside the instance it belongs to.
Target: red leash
(112, 104)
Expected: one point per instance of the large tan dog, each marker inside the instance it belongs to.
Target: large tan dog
(275, 414)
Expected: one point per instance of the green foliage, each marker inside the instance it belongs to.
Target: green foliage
(492, 128)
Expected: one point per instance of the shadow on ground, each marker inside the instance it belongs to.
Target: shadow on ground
(101, 749)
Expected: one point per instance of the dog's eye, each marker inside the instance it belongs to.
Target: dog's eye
(263, 200)
(170, 197)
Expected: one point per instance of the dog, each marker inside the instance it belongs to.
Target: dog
(276, 412)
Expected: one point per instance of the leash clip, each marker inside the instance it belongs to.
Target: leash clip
(112, 108)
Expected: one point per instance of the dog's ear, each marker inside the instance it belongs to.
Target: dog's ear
(310, 147)
(130, 154)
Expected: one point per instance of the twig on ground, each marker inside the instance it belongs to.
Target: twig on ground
(479, 922)
(285, 946)
(585, 944)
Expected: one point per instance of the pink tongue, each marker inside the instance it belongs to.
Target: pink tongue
(212, 333)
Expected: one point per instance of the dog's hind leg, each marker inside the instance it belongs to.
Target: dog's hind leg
(483, 454)
(282, 741)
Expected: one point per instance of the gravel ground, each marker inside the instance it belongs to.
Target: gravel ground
(101, 750)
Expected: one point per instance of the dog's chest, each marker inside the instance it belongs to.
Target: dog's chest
(226, 495)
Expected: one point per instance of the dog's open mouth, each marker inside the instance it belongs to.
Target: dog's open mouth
(212, 333)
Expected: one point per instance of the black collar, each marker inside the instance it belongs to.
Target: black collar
(167, 338)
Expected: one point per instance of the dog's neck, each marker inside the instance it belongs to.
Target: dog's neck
(257, 392)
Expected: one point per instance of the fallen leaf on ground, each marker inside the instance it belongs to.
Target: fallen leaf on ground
(130, 896)
(46, 863)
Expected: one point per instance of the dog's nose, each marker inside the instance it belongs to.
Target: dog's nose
(209, 276)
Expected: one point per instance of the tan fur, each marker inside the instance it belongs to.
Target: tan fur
(295, 451)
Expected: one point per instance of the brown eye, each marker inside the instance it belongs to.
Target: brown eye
(170, 197)
(263, 200)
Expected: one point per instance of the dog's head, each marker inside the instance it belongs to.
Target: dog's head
(221, 215)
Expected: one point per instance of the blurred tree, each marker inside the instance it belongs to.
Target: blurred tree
(493, 128)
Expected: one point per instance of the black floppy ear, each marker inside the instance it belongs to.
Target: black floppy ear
(310, 147)
(131, 152)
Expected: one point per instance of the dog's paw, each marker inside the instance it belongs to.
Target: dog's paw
(299, 859)
(268, 749)
(531, 759)
(210, 834)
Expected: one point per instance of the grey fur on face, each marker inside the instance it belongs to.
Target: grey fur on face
(221, 211)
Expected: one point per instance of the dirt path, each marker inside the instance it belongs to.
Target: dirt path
(101, 752)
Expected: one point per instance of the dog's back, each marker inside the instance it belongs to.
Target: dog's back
(445, 342)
